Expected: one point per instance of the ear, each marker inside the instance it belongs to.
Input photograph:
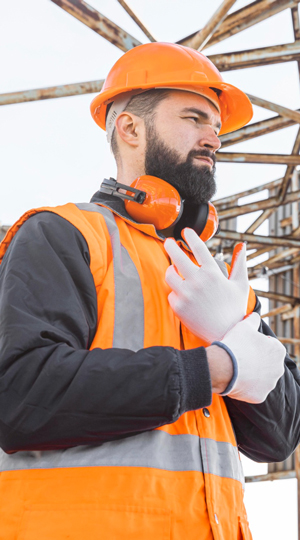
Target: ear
(130, 128)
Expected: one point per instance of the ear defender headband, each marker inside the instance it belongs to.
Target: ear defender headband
(152, 200)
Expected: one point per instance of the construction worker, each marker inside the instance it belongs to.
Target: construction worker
(132, 366)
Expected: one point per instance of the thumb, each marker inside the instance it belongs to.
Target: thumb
(252, 321)
(238, 270)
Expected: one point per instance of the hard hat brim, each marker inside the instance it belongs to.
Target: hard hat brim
(236, 108)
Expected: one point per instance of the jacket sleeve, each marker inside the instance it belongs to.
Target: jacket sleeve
(269, 431)
(54, 391)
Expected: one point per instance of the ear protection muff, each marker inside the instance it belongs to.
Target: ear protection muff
(152, 200)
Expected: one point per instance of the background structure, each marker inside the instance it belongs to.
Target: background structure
(52, 154)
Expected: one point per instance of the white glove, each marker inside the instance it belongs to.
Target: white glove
(259, 360)
(205, 301)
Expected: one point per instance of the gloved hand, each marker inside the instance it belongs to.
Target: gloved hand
(259, 360)
(203, 299)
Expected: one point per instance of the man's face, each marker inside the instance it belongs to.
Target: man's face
(181, 141)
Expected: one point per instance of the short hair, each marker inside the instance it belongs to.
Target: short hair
(143, 105)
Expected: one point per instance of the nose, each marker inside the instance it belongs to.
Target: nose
(210, 140)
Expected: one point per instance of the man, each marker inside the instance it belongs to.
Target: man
(114, 361)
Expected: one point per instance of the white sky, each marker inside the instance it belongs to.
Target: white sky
(52, 152)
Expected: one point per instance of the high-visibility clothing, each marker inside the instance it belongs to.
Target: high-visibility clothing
(181, 480)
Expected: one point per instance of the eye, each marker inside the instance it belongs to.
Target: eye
(195, 118)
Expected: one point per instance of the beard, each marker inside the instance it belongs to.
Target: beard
(194, 183)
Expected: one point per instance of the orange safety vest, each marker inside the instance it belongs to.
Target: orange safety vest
(181, 480)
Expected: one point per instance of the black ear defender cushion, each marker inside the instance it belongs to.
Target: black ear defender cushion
(193, 216)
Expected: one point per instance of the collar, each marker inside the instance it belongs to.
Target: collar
(117, 206)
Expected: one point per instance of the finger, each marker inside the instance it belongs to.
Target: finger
(173, 279)
(172, 298)
(253, 321)
(184, 264)
(239, 263)
(198, 247)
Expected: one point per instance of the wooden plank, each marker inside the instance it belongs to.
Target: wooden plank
(257, 57)
(200, 39)
(136, 20)
(97, 22)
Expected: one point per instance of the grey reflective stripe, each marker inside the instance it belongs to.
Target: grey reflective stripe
(153, 449)
(221, 459)
(129, 300)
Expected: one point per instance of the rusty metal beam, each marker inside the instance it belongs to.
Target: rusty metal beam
(295, 20)
(200, 39)
(258, 239)
(244, 18)
(136, 20)
(278, 475)
(283, 298)
(231, 198)
(278, 257)
(65, 90)
(292, 341)
(257, 57)
(272, 262)
(283, 111)
(296, 29)
(286, 222)
(229, 213)
(288, 315)
(289, 171)
(234, 157)
(277, 311)
(258, 252)
(99, 23)
(258, 222)
(256, 130)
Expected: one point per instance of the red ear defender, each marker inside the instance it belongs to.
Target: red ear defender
(152, 200)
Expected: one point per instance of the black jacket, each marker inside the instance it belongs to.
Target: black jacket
(55, 393)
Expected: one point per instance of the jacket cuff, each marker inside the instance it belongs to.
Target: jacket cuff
(195, 379)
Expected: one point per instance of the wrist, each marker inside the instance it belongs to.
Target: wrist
(221, 368)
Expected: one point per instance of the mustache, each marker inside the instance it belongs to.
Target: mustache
(204, 153)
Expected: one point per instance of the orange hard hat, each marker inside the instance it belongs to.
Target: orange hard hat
(168, 65)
